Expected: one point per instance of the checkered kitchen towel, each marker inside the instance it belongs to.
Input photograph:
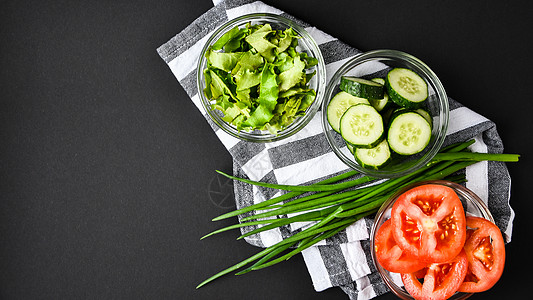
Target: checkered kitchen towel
(343, 260)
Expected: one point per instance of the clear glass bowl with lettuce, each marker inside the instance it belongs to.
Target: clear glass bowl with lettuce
(261, 77)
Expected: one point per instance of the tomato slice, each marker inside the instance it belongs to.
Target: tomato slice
(485, 251)
(429, 223)
(440, 281)
(390, 256)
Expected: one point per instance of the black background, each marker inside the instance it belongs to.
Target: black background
(107, 175)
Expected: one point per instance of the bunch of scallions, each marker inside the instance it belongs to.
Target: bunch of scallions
(336, 203)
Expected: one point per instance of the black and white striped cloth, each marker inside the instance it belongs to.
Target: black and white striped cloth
(343, 260)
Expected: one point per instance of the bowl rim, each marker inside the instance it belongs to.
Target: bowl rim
(462, 191)
(434, 82)
(300, 122)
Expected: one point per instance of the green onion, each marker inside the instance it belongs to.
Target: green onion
(304, 188)
(335, 203)
(476, 156)
(282, 197)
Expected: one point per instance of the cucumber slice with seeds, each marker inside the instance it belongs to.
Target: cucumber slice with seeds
(363, 88)
(421, 111)
(409, 133)
(424, 113)
(374, 158)
(362, 126)
(338, 106)
(406, 88)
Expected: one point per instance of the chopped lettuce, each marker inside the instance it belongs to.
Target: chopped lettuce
(226, 38)
(292, 75)
(268, 98)
(223, 60)
(258, 79)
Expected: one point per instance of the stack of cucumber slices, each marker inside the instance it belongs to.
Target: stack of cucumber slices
(382, 116)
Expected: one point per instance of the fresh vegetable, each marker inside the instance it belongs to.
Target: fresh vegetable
(406, 88)
(409, 133)
(429, 223)
(485, 251)
(421, 239)
(362, 126)
(363, 88)
(441, 280)
(379, 80)
(338, 106)
(390, 256)
(257, 79)
(332, 205)
(424, 113)
(406, 125)
(375, 157)
(383, 103)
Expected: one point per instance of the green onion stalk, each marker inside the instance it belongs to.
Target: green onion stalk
(334, 204)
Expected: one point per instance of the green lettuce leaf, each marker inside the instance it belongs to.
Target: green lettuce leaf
(225, 38)
(286, 39)
(207, 89)
(245, 100)
(246, 79)
(237, 43)
(268, 98)
(250, 61)
(261, 44)
(283, 62)
(218, 86)
(309, 61)
(247, 71)
(223, 60)
(293, 75)
(290, 110)
(307, 100)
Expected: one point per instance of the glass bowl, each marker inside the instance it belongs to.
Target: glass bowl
(473, 206)
(376, 64)
(305, 44)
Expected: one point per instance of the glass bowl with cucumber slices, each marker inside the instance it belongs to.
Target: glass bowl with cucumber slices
(385, 113)
(261, 77)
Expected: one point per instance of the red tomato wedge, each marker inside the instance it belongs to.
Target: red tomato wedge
(390, 256)
(429, 223)
(485, 251)
(440, 281)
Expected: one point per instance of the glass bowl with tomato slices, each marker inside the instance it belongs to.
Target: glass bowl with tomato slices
(260, 78)
(420, 237)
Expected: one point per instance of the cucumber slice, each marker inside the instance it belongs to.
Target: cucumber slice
(406, 88)
(362, 126)
(351, 148)
(338, 106)
(379, 80)
(363, 88)
(383, 103)
(375, 158)
(409, 133)
(424, 113)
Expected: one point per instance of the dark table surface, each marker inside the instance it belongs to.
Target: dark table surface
(107, 175)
